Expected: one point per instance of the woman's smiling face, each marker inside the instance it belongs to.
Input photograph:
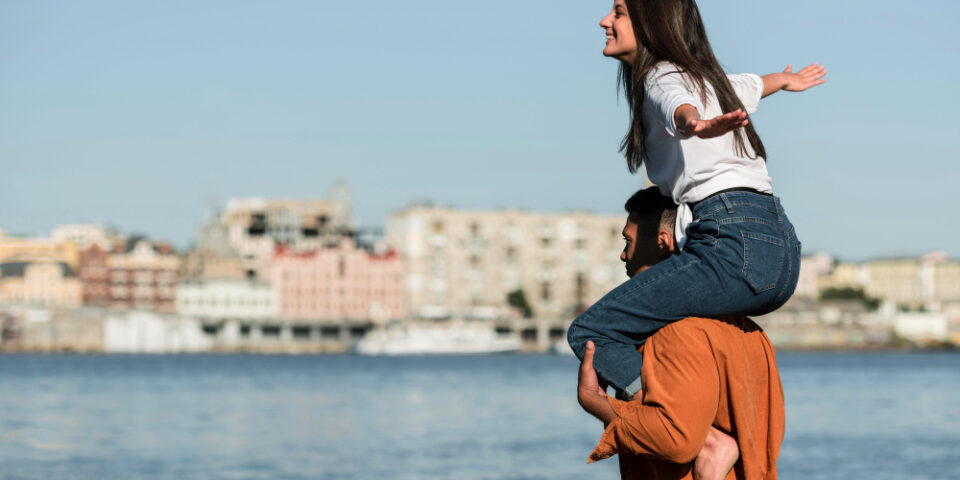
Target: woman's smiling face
(621, 41)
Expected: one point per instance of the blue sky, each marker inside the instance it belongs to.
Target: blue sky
(143, 114)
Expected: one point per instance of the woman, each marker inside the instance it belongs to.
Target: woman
(689, 124)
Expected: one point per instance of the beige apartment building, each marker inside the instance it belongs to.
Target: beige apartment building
(846, 275)
(41, 283)
(465, 263)
(913, 282)
(24, 247)
(946, 281)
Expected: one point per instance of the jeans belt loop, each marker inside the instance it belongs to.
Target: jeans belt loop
(726, 202)
(776, 201)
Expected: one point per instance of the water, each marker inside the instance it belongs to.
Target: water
(876, 415)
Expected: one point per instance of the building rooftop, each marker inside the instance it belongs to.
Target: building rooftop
(17, 269)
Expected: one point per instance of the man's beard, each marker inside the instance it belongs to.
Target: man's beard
(631, 269)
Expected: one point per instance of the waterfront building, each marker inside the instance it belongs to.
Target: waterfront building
(907, 281)
(251, 228)
(199, 265)
(467, 263)
(815, 272)
(946, 282)
(84, 235)
(94, 271)
(151, 332)
(143, 276)
(338, 283)
(925, 281)
(921, 327)
(40, 282)
(227, 299)
(26, 247)
(847, 275)
(229, 309)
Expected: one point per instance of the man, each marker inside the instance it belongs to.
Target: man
(701, 377)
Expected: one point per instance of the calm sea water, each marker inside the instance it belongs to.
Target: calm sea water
(849, 416)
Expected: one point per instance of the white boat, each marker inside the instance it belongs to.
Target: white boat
(561, 347)
(436, 339)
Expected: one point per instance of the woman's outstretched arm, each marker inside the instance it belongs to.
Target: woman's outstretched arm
(809, 76)
(688, 122)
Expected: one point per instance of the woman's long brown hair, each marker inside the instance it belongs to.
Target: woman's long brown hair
(672, 31)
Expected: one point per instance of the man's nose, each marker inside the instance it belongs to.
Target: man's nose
(623, 256)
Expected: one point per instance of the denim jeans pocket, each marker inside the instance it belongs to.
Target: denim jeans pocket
(762, 260)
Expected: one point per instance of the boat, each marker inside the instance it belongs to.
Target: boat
(437, 339)
(561, 347)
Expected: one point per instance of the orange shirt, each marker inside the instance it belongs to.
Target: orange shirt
(699, 372)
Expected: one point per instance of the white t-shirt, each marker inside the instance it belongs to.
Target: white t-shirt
(689, 169)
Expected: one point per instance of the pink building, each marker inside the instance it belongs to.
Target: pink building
(340, 283)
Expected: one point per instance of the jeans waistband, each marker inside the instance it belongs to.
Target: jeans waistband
(739, 195)
(728, 190)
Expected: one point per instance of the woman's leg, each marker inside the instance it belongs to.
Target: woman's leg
(623, 319)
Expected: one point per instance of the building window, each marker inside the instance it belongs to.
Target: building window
(545, 291)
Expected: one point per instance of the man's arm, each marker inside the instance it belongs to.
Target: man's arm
(679, 402)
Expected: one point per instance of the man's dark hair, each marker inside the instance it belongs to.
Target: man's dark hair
(650, 210)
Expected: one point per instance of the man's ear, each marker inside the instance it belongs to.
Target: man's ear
(665, 244)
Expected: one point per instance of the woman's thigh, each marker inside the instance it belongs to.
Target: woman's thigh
(741, 258)
(693, 283)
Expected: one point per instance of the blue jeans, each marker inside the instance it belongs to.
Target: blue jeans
(742, 257)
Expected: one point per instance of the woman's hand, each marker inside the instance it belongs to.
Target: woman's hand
(689, 123)
(809, 76)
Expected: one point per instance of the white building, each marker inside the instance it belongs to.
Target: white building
(84, 235)
(148, 332)
(227, 299)
(921, 326)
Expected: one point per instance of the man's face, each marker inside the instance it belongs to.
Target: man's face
(640, 250)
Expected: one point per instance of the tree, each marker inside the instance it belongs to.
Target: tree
(850, 293)
(518, 300)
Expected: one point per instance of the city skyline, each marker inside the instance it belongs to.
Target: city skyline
(142, 116)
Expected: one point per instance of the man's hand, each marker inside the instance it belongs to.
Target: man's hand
(592, 397)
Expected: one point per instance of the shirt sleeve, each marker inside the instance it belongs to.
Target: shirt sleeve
(678, 404)
(668, 90)
(749, 88)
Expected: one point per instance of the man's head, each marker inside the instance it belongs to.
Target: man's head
(648, 233)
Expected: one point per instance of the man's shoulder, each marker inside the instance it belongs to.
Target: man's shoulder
(709, 326)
